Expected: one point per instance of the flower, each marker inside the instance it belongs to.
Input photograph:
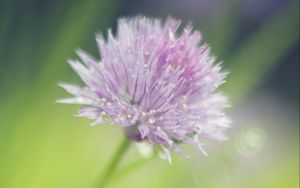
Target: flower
(155, 81)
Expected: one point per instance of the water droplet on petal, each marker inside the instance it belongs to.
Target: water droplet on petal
(151, 120)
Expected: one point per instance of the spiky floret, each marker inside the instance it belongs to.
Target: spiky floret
(157, 84)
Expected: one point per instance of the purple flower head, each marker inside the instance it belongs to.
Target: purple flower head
(157, 84)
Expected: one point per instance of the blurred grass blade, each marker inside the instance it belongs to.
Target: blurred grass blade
(261, 52)
(74, 30)
(222, 31)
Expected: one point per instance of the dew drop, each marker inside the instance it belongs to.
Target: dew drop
(151, 120)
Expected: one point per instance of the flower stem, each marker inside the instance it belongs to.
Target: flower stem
(114, 162)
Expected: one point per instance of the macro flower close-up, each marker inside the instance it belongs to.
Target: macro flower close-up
(149, 94)
(156, 82)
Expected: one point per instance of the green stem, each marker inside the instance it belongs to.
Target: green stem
(114, 162)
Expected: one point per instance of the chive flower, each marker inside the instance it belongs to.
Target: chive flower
(156, 81)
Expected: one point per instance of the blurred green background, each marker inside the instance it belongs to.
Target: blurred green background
(43, 146)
